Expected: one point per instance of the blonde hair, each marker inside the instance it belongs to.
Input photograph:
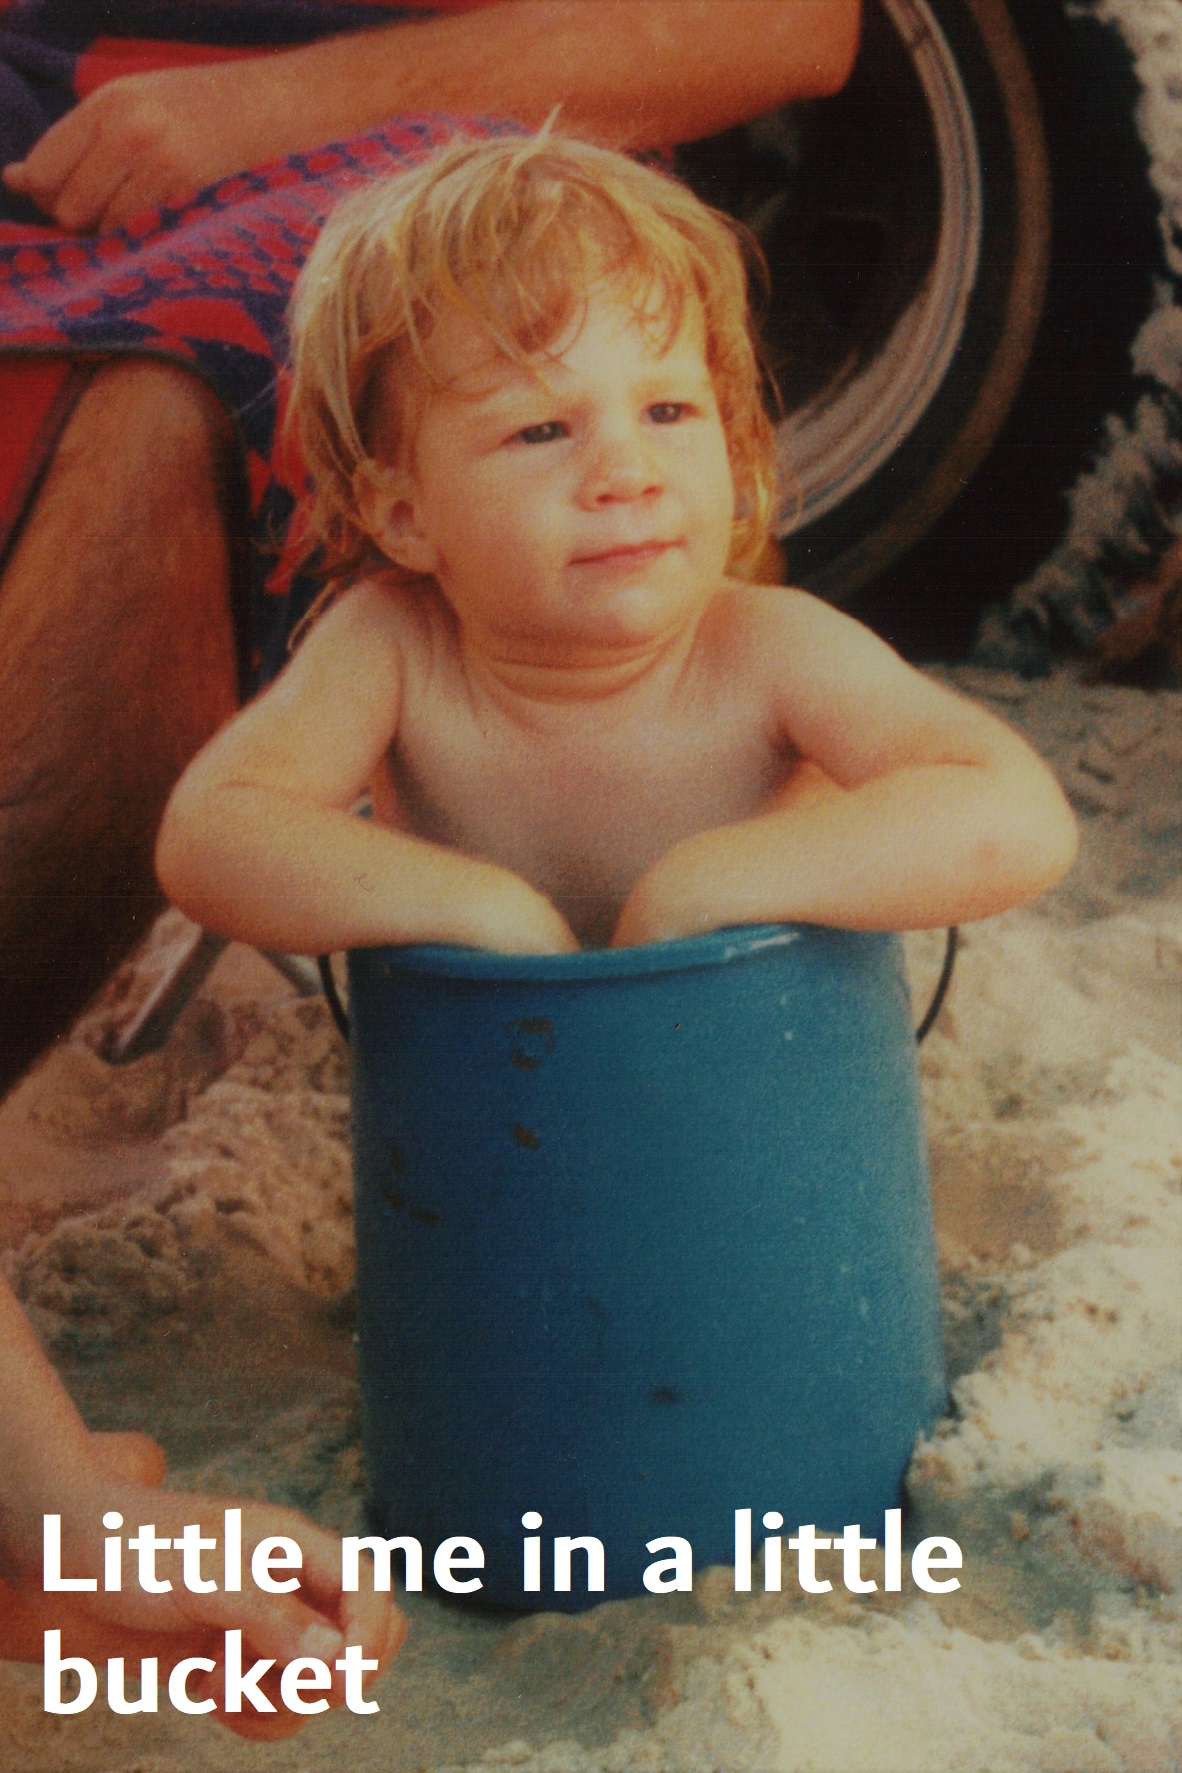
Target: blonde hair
(510, 233)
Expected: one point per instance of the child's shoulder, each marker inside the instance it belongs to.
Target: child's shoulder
(801, 648)
(379, 611)
(379, 600)
(754, 603)
(773, 619)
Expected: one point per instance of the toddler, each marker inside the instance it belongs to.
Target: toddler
(527, 394)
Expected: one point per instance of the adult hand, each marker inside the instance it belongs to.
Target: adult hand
(127, 1470)
(26, 1615)
(147, 139)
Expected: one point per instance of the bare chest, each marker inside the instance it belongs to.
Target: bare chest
(582, 806)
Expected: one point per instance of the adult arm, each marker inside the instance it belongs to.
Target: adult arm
(912, 807)
(630, 73)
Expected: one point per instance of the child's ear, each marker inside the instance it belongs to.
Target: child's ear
(387, 500)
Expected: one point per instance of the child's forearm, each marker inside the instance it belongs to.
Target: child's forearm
(263, 867)
(914, 849)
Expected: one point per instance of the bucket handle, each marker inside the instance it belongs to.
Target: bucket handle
(341, 1018)
(329, 985)
(951, 939)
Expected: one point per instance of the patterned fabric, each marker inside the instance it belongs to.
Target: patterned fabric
(205, 284)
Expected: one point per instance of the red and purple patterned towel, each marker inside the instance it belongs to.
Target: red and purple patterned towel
(205, 284)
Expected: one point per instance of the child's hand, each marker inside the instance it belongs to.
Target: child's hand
(661, 906)
(315, 1620)
(509, 916)
(698, 884)
(689, 890)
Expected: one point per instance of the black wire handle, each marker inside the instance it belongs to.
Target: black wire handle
(329, 984)
(942, 984)
(340, 1015)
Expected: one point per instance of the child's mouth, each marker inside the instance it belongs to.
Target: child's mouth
(629, 554)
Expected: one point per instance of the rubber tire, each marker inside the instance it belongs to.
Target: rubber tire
(989, 532)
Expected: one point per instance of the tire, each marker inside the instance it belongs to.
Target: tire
(920, 276)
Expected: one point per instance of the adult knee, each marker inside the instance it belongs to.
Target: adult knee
(143, 418)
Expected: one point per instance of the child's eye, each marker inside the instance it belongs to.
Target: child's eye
(667, 412)
(549, 432)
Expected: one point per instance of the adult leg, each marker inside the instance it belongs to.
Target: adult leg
(117, 662)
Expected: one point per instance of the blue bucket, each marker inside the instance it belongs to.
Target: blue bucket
(644, 1236)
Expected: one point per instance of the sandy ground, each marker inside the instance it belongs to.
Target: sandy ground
(180, 1230)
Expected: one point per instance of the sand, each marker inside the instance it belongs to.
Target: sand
(180, 1230)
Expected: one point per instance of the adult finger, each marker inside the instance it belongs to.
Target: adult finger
(367, 1617)
(373, 1621)
(91, 189)
(368, 1620)
(253, 1725)
(320, 1576)
(320, 1642)
(49, 163)
(125, 202)
(128, 1457)
(278, 1626)
(145, 188)
(25, 1618)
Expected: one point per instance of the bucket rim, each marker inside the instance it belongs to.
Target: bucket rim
(689, 953)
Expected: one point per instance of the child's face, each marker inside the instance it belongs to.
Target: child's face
(589, 512)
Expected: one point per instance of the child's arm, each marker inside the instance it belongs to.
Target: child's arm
(912, 807)
(51, 1464)
(258, 841)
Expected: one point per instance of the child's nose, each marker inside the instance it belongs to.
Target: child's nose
(620, 468)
